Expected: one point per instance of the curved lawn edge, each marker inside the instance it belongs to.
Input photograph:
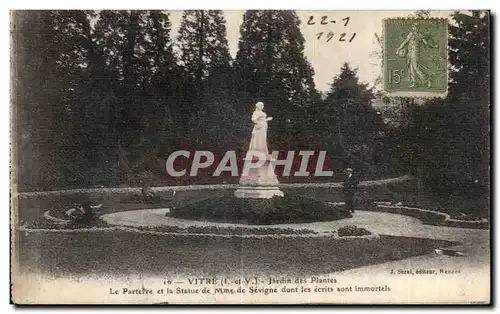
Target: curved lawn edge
(432, 217)
(55, 220)
(187, 234)
(229, 231)
(137, 190)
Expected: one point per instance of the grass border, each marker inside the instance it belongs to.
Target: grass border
(229, 231)
(430, 217)
(143, 230)
(179, 188)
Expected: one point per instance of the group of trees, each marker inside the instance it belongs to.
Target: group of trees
(446, 142)
(101, 98)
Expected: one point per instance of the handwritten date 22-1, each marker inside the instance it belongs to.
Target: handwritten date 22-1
(323, 20)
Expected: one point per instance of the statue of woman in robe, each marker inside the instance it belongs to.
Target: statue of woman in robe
(259, 132)
(263, 175)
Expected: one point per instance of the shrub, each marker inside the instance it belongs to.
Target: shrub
(466, 217)
(94, 222)
(276, 210)
(352, 231)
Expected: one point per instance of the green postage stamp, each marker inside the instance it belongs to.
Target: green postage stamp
(416, 57)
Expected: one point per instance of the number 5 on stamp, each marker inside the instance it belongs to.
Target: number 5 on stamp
(415, 57)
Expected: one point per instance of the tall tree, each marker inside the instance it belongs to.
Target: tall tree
(202, 44)
(163, 85)
(140, 69)
(346, 86)
(469, 95)
(271, 67)
(206, 62)
(352, 126)
(52, 57)
(451, 137)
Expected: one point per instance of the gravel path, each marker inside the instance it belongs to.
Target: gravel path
(474, 266)
(383, 223)
(471, 284)
(475, 241)
(98, 191)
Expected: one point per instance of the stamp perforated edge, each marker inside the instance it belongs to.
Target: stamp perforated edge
(415, 94)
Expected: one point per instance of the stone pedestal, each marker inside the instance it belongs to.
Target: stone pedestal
(260, 182)
(258, 192)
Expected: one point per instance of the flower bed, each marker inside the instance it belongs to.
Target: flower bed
(431, 217)
(276, 210)
(352, 231)
(232, 230)
(61, 224)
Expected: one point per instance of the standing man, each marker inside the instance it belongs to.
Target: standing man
(350, 188)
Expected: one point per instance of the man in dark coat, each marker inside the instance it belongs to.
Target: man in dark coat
(349, 189)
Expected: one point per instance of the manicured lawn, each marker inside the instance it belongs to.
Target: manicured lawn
(126, 253)
(31, 209)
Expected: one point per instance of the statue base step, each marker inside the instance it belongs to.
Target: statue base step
(258, 192)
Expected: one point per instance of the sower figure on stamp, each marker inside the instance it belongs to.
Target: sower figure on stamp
(410, 49)
(350, 188)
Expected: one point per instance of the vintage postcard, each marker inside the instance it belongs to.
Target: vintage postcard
(250, 157)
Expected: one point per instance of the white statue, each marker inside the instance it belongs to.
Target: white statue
(258, 179)
(259, 133)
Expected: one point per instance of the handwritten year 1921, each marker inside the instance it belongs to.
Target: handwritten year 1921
(329, 36)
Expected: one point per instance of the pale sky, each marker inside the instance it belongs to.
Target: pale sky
(327, 57)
